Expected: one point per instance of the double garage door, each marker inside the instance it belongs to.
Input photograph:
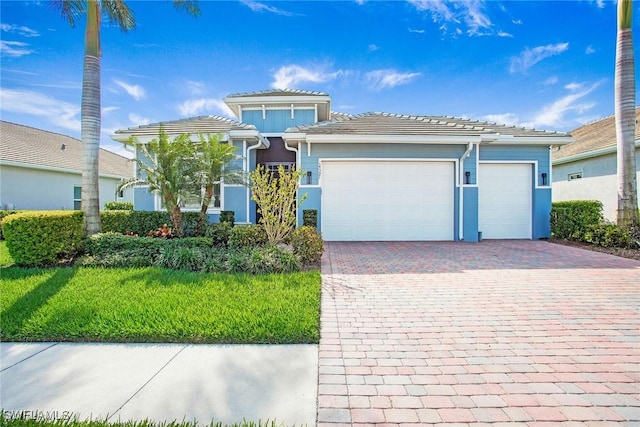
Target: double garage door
(387, 200)
(414, 200)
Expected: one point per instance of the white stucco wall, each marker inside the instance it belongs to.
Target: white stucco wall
(37, 189)
(598, 182)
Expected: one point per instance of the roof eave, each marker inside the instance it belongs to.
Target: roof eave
(379, 139)
(589, 154)
(546, 140)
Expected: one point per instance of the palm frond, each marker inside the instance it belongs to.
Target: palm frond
(191, 6)
(70, 9)
(119, 13)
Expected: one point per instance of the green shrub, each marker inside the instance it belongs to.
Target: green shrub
(178, 257)
(310, 218)
(38, 238)
(608, 235)
(118, 250)
(272, 259)
(219, 233)
(118, 206)
(143, 222)
(572, 219)
(228, 216)
(307, 244)
(247, 236)
(4, 213)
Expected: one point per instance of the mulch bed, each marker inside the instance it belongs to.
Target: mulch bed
(621, 252)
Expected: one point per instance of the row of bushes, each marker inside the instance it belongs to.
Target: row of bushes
(190, 253)
(36, 238)
(582, 221)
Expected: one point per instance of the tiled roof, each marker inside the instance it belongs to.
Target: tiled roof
(194, 125)
(277, 92)
(396, 124)
(337, 115)
(24, 144)
(593, 136)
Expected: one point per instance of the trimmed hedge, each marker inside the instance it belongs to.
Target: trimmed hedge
(142, 222)
(310, 218)
(36, 238)
(118, 206)
(307, 244)
(247, 236)
(572, 219)
(4, 213)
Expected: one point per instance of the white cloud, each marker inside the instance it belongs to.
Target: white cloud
(411, 30)
(200, 106)
(382, 79)
(590, 50)
(372, 48)
(554, 115)
(15, 49)
(529, 57)
(360, 2)
(139, 120)
(550, 81)
(136, 91)
(20, 30)
(195, 88)
(261, 7)
(59, 113)
(107, 110)
(288, 76)
(508, 119)
(504, 34)
(470, 15)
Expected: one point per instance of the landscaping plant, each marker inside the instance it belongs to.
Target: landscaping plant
(276, 194)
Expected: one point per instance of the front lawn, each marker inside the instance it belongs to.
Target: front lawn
(157, 305)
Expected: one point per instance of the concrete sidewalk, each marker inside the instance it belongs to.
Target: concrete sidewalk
(161, 382)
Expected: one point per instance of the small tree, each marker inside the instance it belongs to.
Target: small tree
(275, 195)
(215, 160)
(170, 169)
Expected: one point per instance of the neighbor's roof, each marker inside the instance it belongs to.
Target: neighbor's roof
(195, 125)
(397, 124)
(593, 136)
(26, 145)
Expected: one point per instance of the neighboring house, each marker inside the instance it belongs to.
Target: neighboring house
(42, 170)
(587, 168)
(378, 176)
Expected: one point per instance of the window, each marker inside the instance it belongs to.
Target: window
(273, 166)
(575, 175)
(193, 201)
(77, 198)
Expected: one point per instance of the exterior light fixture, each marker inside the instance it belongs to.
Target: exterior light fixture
(544, 178)
(308, 177)
(467, 177)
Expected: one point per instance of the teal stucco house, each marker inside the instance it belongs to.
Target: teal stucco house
(380, 176)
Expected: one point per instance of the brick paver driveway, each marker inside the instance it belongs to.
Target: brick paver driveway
(496, 332)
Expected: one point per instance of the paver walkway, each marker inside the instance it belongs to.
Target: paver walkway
(517, 332)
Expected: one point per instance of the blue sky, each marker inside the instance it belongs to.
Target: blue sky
(543, 64)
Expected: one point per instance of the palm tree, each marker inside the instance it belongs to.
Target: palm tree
(215, 165)
(625, 94)
(120, 14)
(170, 169)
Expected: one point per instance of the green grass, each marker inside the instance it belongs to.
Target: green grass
(156, 305)
(5, 258)
(40, 420)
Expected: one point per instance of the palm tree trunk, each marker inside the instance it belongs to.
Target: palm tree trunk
(91, 116)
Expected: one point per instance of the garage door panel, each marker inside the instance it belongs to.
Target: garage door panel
(387, 200)
(505, 199)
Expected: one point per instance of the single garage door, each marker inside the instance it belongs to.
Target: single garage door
(387, 200)
(504, 199)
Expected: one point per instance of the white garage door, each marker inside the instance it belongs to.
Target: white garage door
(504, 198)
(387, 200)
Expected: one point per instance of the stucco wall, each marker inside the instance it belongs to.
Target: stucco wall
(22, 188)
(598, 182)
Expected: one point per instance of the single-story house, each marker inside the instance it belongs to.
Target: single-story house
(42, 170)
(587, 168)
(380, 176)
